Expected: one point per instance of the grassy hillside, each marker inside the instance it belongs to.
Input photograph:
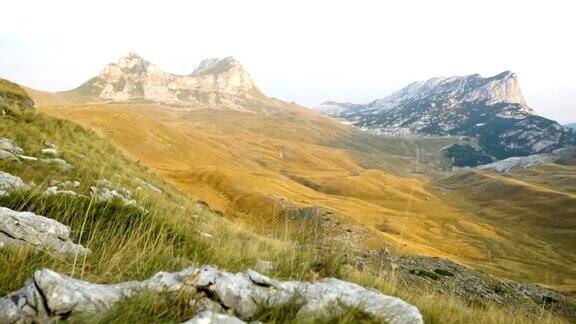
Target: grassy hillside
(256, 167)
(129, 243)
(538, 205)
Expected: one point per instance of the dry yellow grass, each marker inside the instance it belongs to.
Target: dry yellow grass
(244, 164)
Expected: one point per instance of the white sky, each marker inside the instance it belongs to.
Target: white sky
(303, 51)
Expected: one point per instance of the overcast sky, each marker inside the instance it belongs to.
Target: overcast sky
(303, 51)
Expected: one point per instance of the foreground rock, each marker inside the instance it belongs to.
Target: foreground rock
(5, 155)
(49, 296)
(106, 194)
(55, 191)
(9, 150)
(213, 318)
(49, 151)
(10, 146)
(9, 182)
(24, 229)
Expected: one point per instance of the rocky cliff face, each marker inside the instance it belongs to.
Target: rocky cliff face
(492, 110)
(132, 78)
(471, 88)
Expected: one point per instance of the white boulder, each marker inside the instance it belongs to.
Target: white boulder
(49, 295)
(28, 158)
(49, 151)
(105, 194)
(55, 191)
(10, 146)
(9, 182)
(25, 229)
(209, 317)
(6, 155)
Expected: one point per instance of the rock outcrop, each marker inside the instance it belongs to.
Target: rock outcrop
(106, 194)
(208, 317)
(9, 150)
(49, 151)
(50, 296)
(25, 229)
(55, 191)
(10, 146)
(9, 182)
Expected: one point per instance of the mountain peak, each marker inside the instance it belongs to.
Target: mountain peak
(216, 65)
(227, 73)
(491, 109)
(132, 77)
(133, 61)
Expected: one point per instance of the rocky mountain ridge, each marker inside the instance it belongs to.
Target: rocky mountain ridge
(132, 77)
(218, 84)
(491, 110)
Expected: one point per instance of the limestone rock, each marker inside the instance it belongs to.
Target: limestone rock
(49, 151)
(27, 158)
(25, 229)
(9, 182)
(206, 235)
(6, 155)
(517, 162)
(105, 194)
(213, 318)
(55, 191)
(10, 146)
(49, 295)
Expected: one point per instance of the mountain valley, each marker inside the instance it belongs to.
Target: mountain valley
(259, 165)
(277, 171)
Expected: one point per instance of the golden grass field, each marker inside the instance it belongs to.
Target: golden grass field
(251, 165)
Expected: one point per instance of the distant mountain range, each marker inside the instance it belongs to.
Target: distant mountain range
(490, 110)
(573, 126)
(215, 83)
